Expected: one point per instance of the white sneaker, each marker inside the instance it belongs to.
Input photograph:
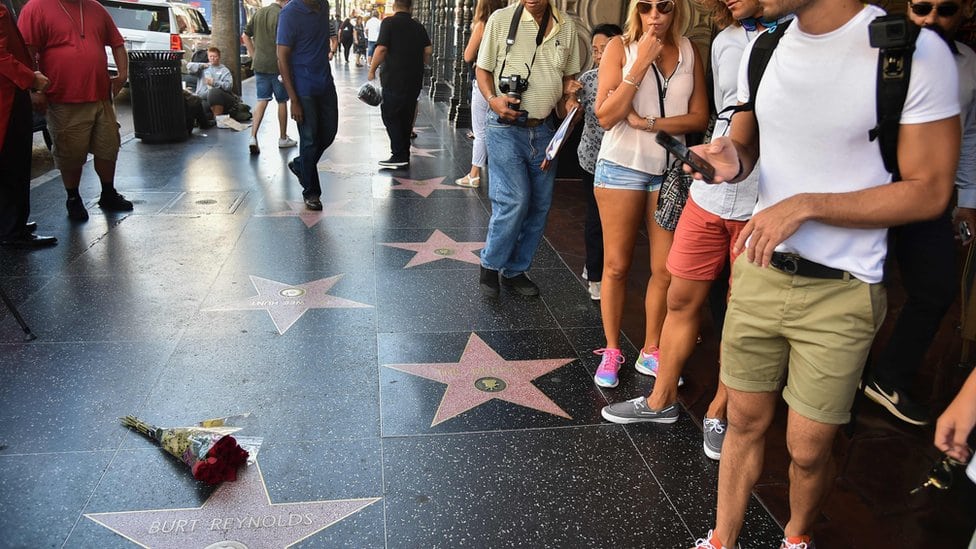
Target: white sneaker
(286, 143)
(594, 291)
(253, 145)
(585, 274)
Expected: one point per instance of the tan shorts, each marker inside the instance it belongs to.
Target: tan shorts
(812, 332)
(81, 128)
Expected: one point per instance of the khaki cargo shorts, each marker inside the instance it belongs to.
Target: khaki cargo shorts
(813, 334)
(81, 128)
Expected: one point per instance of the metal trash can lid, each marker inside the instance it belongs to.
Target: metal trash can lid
(156, 55)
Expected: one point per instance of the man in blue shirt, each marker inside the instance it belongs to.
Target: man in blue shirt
(305, 45)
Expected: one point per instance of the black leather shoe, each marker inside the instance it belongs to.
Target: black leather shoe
(313, 204)
(30, 227)
(521, 284)
(294, 169)
(489, 282)
(29, 241)
(76, 209)
(112, 201)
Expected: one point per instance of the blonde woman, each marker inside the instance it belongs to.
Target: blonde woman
(649, 65)
(479, 105)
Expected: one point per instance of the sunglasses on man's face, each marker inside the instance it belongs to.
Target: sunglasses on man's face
(664, 7)
(922, 9)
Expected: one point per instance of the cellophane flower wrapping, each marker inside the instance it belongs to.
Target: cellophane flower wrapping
(208, 449)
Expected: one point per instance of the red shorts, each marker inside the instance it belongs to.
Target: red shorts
(702, 243)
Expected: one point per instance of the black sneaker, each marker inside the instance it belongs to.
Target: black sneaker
(114, 202)
(76, 209)
(313, 204)
(521, 284)
(489, 282)
(897, 402)
(394, 163)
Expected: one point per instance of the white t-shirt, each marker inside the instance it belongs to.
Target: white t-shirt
(372, 29)
(734, 201)
(815, 106)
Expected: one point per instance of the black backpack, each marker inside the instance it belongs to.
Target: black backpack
(894, 72)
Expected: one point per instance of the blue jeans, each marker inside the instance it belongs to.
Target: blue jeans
(520, 194)
(316, 132)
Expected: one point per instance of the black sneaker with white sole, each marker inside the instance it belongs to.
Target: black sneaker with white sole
(394, 163)
(897, 402)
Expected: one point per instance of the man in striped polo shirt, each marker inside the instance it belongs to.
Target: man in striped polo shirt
(539, 65)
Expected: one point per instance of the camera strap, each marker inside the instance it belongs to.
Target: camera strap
(513, 32)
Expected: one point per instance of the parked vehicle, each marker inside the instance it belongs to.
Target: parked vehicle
(157, 25)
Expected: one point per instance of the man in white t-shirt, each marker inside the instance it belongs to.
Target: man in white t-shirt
(807, 297)
(372, 31)
(925, 250)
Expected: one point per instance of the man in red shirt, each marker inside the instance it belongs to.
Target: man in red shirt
(17, 77)
(68, 38)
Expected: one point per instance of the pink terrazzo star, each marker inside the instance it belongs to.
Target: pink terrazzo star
(423, 187)
(287, 303)
(482, 375)
(339, 208)
(439, 246)
(424, 153)
(240, 513)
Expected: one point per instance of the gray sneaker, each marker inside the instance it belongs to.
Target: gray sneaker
(636, 410)
(713, 433)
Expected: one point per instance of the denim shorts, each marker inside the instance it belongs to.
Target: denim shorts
(614, 176)
(268, 85)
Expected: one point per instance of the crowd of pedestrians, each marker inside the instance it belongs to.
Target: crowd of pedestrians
(801, 236)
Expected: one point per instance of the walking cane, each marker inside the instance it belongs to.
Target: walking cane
(29, 336)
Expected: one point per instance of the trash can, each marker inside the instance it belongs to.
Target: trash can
(156, 89)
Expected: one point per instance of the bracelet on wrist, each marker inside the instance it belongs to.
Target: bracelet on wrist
(632, 83)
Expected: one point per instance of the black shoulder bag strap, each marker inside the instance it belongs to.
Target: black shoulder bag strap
(762, 52)
(894, 74)
(660, 98)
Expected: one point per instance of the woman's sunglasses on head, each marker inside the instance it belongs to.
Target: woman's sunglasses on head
(922, 9)
(663, 7)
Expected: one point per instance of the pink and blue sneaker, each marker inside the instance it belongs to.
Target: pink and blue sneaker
(606, 374)
(647, 364)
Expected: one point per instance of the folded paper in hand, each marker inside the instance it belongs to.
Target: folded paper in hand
(557, 140)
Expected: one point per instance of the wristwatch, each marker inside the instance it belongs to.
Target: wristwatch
(650, 123)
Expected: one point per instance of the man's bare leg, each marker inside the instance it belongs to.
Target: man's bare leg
(811, 470)
(282, 120)
(750, 415)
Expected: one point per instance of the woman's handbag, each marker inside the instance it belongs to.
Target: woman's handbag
(673, 196)
(674, 191)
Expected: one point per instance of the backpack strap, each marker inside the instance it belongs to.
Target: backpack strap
(762, 52)
(894, 74)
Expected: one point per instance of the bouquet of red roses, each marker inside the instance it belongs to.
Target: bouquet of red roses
(207, 448)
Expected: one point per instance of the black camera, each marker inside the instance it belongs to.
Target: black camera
(513, 87)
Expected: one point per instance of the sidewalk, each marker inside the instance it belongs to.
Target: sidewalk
(398, 407)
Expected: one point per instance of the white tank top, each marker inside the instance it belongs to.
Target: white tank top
(636, 149)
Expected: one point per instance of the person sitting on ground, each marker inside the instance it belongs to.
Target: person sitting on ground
(215, 84)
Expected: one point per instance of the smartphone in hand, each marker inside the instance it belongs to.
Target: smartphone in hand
(679, 149)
